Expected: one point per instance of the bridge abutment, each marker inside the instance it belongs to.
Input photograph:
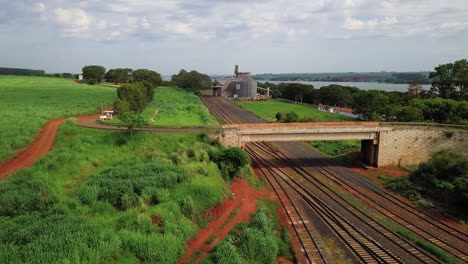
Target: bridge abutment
(382, 144)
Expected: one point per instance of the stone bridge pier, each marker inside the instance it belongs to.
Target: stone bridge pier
(382, 144)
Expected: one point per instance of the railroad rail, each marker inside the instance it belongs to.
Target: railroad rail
(440, 233)
(358, 241)
(403, 244)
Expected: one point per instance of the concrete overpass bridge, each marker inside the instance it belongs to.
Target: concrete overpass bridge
(382, 144)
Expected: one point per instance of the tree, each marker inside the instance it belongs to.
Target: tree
(132, 120)
(93, 74)
(119, 75)
(409, 114)
(133, 94)
(192, 81)
(279, 116)
(439, 110)
(230, 161)
(291, 117)
(444, 176)
(149, 76)
(450, 80)
(335, 95)
(372, 105)
(297, 92)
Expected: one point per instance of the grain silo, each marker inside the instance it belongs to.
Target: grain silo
(242, 86)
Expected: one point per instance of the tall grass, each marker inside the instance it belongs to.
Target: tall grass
(95, 197)
(261, 240)
(27, 103)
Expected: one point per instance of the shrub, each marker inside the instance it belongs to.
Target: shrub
(230, 161)
(404, 186)
(445, 177)
(227, 253)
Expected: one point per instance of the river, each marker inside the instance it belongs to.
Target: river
(389, 87)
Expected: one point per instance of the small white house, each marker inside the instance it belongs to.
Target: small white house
(80, 77)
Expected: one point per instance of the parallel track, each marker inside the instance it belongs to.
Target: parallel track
(441, 234)
(361, 245)
(369, 223)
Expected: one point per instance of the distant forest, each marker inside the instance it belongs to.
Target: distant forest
(21, 72)
(29, 72)
(385, 77)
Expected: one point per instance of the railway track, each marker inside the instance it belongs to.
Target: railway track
(310, 247)
(384, 254)
(428, 227)
(361, 242)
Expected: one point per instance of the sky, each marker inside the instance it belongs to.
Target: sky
(211, 36)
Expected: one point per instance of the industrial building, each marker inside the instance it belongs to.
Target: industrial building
(241, 86)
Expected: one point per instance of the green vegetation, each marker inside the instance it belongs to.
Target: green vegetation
(21, 72)
(102, 197)
(173, 106)
(27, 103)
(230, 161)
(93, 74)
(260, 241)
(406, 233)
(445, 102)
(450, 80)
(267, 110)
(192, 81)
(444, 177)
(336, 148)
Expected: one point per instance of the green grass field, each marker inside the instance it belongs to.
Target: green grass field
(107, 197)
(27, 103)
(268, 109)
(174, 106)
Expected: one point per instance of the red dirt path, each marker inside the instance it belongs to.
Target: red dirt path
(245, 202)
(41, 144)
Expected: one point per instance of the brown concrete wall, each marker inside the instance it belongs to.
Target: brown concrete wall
(411, 144)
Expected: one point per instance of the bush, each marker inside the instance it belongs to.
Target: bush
(256, 242)
(404, 186)
(444, 177)
(230, 161)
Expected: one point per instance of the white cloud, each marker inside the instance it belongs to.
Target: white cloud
(353, 24)
(74, 20)
(389, 20)
(40, 7)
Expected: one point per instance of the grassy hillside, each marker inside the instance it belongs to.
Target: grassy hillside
(268, 109)
(174, 106)
(27, 103)
(107, 197)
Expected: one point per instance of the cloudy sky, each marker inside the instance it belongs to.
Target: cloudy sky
(212, 35)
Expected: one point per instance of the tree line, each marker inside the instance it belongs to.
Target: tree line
(193, 81)
(445, 102)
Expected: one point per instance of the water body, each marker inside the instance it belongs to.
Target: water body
(389, 87)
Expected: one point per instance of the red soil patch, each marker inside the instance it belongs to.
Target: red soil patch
(38, 148)
(245, 202)
(155, 220)
(77, 81)
(283, 260)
